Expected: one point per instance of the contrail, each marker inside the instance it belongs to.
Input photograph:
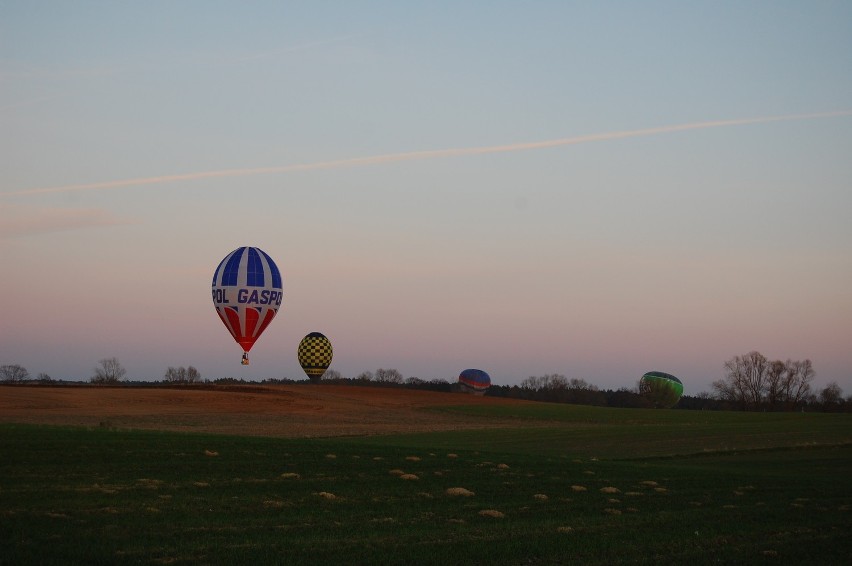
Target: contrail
(421, 155)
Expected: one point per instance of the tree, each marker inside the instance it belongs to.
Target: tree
(389, 376)
(193, 375)
(182, 375)
(109, 371)
(753, 382)
(796, 388)
(831, 396)
(14, 373)
(776, 376)
(332, 375)
(745, 377)
(364, 376)
(173, 375)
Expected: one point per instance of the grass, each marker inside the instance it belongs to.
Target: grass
(594, 486)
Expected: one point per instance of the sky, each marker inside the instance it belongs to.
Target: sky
(591, 189)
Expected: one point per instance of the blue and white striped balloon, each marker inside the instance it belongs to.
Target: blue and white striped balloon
(247, 293)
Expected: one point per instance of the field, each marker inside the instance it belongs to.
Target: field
(317, 473)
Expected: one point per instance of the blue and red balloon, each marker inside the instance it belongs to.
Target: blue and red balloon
(247, 293)
(474, 381)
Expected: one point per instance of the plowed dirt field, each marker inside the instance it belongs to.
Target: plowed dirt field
(305, 410)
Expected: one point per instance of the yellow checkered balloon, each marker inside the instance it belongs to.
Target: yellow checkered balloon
(315, 355)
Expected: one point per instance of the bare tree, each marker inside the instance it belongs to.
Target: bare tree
(332, 375)
(193, 375)
(172, 375)
(745, 379)
(14, 373)
(364, 376)
(831, 395)
(182, 375)
(109, 371)
(752, 382)
(389, 376)
(553, 381)
(576, 383)
(776, 375)
(797, 383)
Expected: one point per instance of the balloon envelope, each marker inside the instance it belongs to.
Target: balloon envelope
(475, 380)
(661, 388)
(315, 355)
(247, 293)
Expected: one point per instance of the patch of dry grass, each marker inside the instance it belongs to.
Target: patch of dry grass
(459, 491)
(492, 513)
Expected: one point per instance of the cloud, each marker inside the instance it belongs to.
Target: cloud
(422, 155)
(18, 221)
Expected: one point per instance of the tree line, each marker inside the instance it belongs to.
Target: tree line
(109, 371)
(751, 382)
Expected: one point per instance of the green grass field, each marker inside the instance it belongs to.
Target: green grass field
(587, 486)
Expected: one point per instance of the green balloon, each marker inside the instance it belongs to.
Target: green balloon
(662, 389)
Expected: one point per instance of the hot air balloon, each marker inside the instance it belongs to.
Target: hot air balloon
(315, 355)
(247, 293)
(474, 381)
(663, 390)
